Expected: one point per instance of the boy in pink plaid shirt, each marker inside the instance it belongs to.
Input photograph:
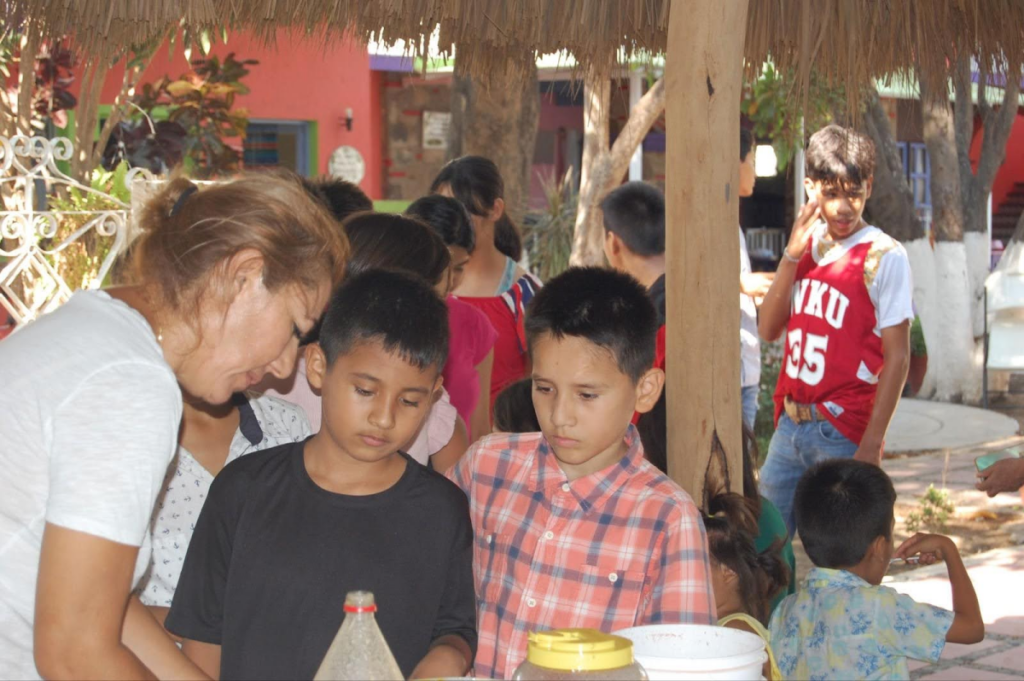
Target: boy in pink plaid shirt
(573, 527)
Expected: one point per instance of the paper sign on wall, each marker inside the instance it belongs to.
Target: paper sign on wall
(347, 164)
(435, 129)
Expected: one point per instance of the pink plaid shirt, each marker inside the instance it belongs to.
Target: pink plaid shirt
(617, 548)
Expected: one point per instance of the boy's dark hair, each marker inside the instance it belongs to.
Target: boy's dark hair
(751, 454)
(731, 526)
(476, 182)
(384, 241)
(513, 409)
(746, 143)
(399, 310)
(341, 198)
(447, 217)
(837, 155)
(635, 212)
(610, 309)
(841, 507)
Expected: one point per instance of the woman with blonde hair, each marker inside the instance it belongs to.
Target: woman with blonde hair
(227, 280)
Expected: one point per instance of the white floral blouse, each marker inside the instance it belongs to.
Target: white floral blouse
(265, 422)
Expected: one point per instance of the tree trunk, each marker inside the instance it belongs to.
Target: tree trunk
(27, 77)
(948, 331)
(587, 248)
(604, 167)
(704, 70)
(499, 121)
(891, 206)
(975, 186)
(86, 116)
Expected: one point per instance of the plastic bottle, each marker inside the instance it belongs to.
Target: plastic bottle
(579, 655)
(359, 650)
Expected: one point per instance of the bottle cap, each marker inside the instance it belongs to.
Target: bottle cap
(579, 650)
(360, 601)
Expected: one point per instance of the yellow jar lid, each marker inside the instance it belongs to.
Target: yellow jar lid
(579, 650)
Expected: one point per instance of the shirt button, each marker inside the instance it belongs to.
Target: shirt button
(531, 602)
(565, 487)
(549, 535)
(613, 577)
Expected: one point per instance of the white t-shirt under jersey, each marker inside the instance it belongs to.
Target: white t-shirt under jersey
(886, 271)
(89, 417)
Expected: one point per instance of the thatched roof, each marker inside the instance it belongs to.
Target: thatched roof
(849, 41)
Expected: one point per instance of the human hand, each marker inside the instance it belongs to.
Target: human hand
(869, 452)
(756, 284)
(800, 236)
(447, 658)
(1002, 476)
(930, 548)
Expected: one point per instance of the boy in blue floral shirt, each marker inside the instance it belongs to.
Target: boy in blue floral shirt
(842, 624)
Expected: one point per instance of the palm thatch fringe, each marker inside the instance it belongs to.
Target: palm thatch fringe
(849, 42)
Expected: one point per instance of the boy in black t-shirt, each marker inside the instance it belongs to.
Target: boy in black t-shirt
(287, 532)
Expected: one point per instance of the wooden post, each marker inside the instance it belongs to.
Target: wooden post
(703, 72)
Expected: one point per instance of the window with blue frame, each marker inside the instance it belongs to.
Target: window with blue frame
(917, 167)
(282, 144)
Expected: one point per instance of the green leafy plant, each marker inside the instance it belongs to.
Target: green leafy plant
(200, 117)
(80, 261)
(918, 348)
(777, 114)
(548, 236)
(764, 425)
(936, 509)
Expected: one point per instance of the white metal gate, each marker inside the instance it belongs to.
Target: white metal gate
(30, 282)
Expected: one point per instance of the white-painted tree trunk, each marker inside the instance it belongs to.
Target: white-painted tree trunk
(954, 370)
(977, 245)
(942, 300)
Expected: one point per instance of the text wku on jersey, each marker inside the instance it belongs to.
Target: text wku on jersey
(833, 356)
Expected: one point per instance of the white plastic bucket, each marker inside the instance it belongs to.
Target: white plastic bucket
(693, 651)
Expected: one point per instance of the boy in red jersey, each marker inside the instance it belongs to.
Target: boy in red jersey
(842, 296)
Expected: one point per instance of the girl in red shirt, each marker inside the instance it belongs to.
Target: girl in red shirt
(492, 281)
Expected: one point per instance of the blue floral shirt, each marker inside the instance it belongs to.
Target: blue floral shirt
(837, 626)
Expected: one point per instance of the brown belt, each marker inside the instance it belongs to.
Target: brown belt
(800, 413)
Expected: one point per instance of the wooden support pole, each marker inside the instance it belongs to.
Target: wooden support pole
(703, 73)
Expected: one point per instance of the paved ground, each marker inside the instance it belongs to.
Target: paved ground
(998, 578)
(920, 425)
(959, 434)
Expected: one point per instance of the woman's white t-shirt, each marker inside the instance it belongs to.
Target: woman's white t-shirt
(89, 417)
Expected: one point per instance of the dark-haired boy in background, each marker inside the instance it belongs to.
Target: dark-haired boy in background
(842, 297)
(287, 532)
(634, 237)
(574, 528)
(842, 624)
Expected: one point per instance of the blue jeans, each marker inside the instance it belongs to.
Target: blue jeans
(749, 401)
(793, 450)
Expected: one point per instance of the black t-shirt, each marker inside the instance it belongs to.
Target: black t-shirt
(273, 555)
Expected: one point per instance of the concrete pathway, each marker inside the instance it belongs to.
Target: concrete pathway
(921, 425)
(960, 434)
(998, 578)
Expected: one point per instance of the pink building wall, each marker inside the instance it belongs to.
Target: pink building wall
(299, 79)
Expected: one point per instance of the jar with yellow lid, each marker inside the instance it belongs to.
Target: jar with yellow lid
(580, 655)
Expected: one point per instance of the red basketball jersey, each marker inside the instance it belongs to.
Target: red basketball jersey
(833, 356)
